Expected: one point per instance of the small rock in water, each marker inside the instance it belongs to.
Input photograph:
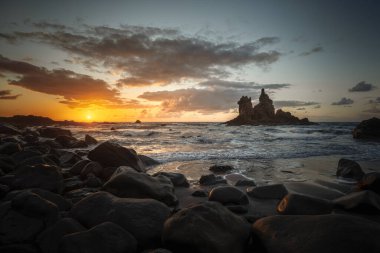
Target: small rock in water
(349, 169)
(221, 168)
(211, 179)
(228, 195)
(177, 179)
(200, 193)
(245, 182)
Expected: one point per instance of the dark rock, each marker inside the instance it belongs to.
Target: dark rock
(90, 140)
(317, 233)
(66, 141)
(159, 251)
(42, 176)
(49, 239)
(91, 167)
(19, 248)
(4, 189)
(138, 122)
(72, 183)
(366, 202)
(36, 160)
(79, 194)
(148, 161)
(143, 218)
(8, 129)
(92, 181)
(200, 193)
(9, 148)
(228, 195)
(349, 169)
(140, 185)
(216, 230)
(178, 179)
(370, 181)
(53, 132)
(78, 166)
(6, 163)
(297, 204)
(313, 190)
(367, 129)
(68, 159)
(274, 191)
(243, 182)
(24, 155)
(221, 168)
(79, 144)
(211, 179)
(110, 154)
(105, 237)
(263, 113)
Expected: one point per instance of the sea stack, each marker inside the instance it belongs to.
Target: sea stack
(263, 113)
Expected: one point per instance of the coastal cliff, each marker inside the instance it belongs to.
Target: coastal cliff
(264, 113)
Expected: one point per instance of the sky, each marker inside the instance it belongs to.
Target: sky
(164, 61)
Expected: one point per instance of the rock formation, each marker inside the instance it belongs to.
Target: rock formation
(263, 113)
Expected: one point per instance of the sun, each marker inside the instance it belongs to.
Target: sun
(89, 117)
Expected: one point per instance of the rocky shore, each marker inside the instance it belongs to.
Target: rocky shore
(63, 194)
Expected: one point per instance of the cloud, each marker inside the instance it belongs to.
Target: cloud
(205, 101)
(373, 110)
(6, 94)
(344, 101)
(294, 103)
(361, 87)
(153, 55)
(73, 87)
(216, 83)
(374, 101)
(312, 51)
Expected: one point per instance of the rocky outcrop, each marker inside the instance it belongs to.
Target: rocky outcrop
(263, 113)
(367, 129)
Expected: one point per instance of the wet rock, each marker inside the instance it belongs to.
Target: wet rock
(19, 248)
(79, 194)
(367, 129)
(221, 168)
(274, 191)
(178, 179)
(105, 237)
(90, 140)
(349, 169)
(148, 161)
(9, 148)
(228, 195)
(313, 190)
(200, 193)
(42, 176)
(297, 204)
(211, 179)
(78, 166)
(317, 233)
(72, 183)
(66, 141)
(110, 154)
(143, 218)
(49, 239)
(68, 159)
(370, 181)
(92, 181)
(244, 182)
(8, 129)
(53, 132)
(140, 185)
(366, 202)
(24, 155)
(91, 168)
(216, 230)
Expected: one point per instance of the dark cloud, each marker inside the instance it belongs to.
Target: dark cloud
(362, 86)
(312, 51)
(6, 94)
(216, 83)
(49, 25)
(11, 39)
(154, 55)
(68, 84)
(294, 103)
(344, 101)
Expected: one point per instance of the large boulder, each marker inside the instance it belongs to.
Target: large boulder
(90, 140)
(367, 129)
(129, 184)
(228, 195)
(178, 179)
(110, 154)
(105, 237)
(208, 227)
(53, 132)
(349, 169)
(300, 204)
(317, 233)
(9, 148)
(143, 218)
(366, 202)
(370, 181)
(273, 191)
(42, 176)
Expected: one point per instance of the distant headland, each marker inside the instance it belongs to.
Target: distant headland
(264, 113)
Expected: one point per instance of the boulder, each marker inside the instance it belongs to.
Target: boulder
(66, 141)
(148, 161)
(317, 233)
(313, 190)
(370, 181)
(208, 227)
(42, 176)
(297, 204)
(9, 148)
(93, 181)
(90, 140)
(78, 166)
(245, 182)
(72, 183)
(140, 185)
(211, 179)
(367, 129)
(53, 132)
(49, 239)
(273, 191)
(199, 193)
(143, 218)
(8, 129)
(177, 179)
(221, 168)
(366, 202)
(228, 195)
(91, 168)
(349, 169)
(19, 248)
(21, 156)
(68, 159)
(110, 154)
(105, 237)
